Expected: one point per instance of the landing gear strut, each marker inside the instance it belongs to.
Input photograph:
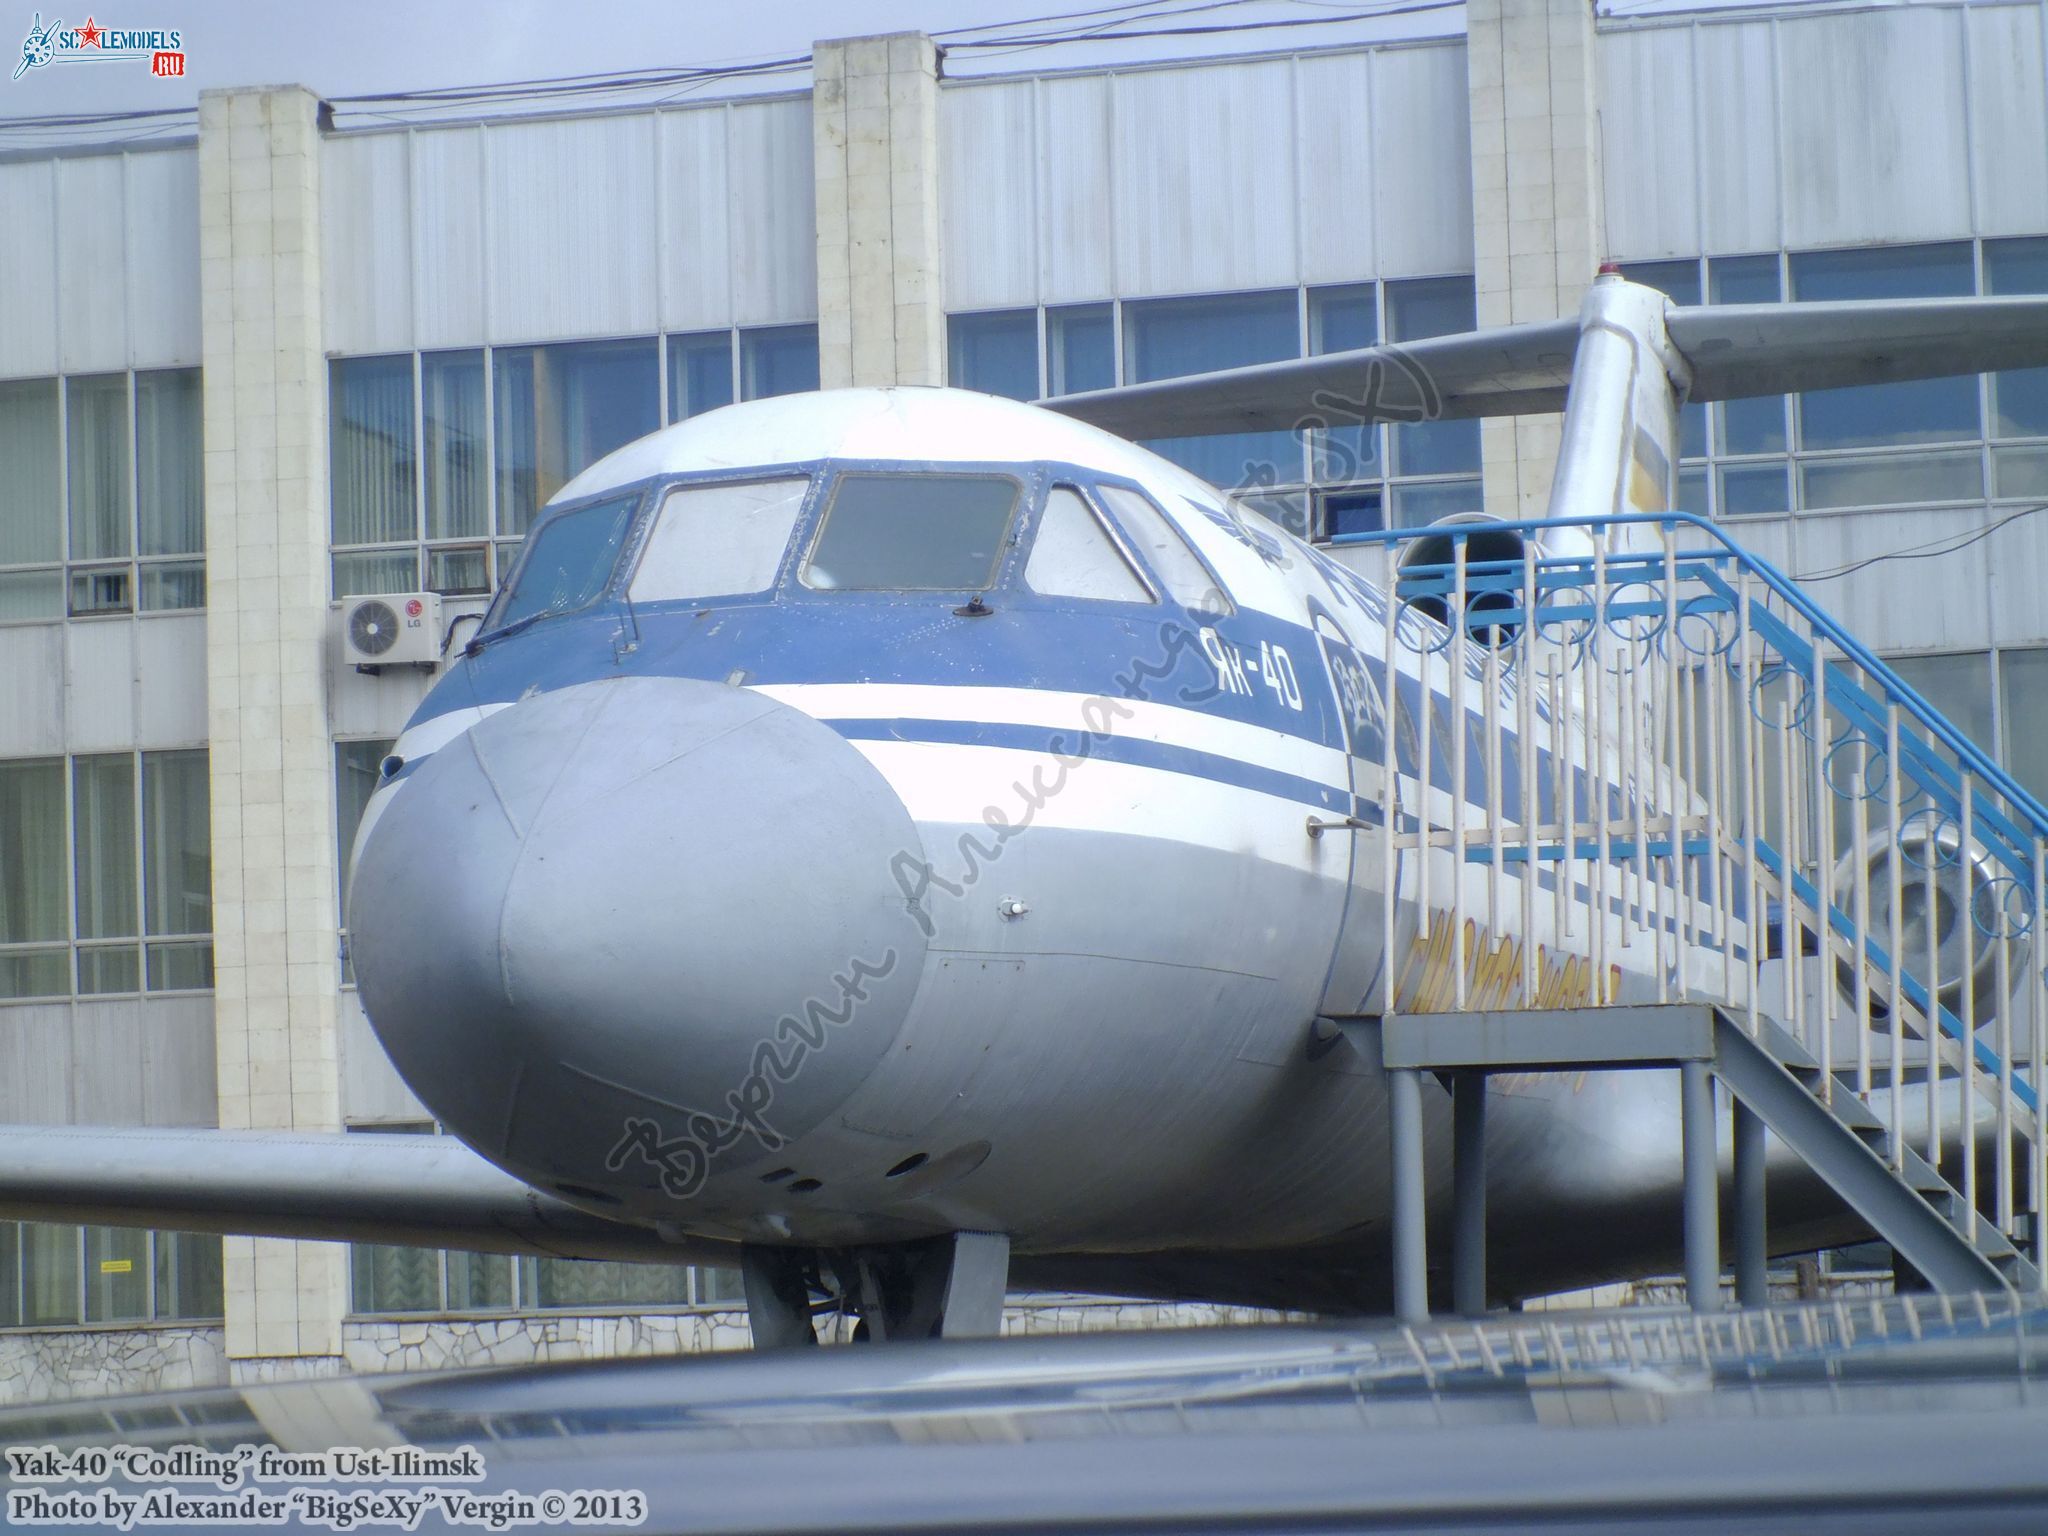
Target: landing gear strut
(947, 1287)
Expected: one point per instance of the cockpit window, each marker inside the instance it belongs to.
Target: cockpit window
(1074, 556)
(911, 533)
(719, 540)
(568, 561)
(1162, 544)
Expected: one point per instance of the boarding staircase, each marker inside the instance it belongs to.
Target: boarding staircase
(1816, 891)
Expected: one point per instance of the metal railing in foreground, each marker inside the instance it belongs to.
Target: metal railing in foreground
(1628, 761)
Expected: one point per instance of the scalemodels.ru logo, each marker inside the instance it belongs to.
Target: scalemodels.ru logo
(162, 49)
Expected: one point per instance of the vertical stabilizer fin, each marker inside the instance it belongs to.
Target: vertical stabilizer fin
(1619, 449)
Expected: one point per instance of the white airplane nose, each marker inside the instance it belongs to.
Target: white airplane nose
(628, 935)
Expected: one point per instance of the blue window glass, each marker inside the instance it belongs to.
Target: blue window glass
(2019, 399)
(568, 561)
(1080, 348)
(1354, 511)
(371, 450)
(1924, 411)
(996, 353)
(1758, 425)
(560, 409)
(1422, 307)
(778, 360)
(1165, 338)
(1753, 488)
(452, 411)
(699, 373)
(1343, 320)
(1416, 506)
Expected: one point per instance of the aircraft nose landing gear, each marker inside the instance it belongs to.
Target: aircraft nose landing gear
(947, 1287)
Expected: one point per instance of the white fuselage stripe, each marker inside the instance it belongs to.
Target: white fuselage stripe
(1129, 719)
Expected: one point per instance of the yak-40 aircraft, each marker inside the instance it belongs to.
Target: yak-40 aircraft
(907, 844)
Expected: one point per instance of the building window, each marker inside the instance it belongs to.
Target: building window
(1165, 338)
(778, 360)
(701, 373)
(106, 875)
(998, 350)
(101, 501)
(1322, 483)
(387, 1280)
(560, 409)
(439, 461)
(1939, 442)
(60, 1276)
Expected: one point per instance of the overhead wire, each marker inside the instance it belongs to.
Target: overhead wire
(1932, 549)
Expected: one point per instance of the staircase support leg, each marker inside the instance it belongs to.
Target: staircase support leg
(1468, 1210)
(1411, 1262)
(1752, 1288)
(1702, 1188)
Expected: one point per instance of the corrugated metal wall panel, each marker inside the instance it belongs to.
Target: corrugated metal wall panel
(142, 1061)
(571, 228)
(772, 198)
(1080, 225)
(170, 707)
(1769, 539)
(1422, 139)
(988, 200)
(371, 1090)
(35, 1064)
(32, 703)
(1933, 603)
(1648, 151)
(1735, 97)
(366, 244)
(99, 685)
(696, 243)
(92, 278)
(362, 706)
(110, 1062)
(28, 268)
(1873, 116)
(1205, 179)
(181, 1085)
(448, 236)
(2017, 555)
(163, 258)
(2008, 119)
(1334, 147)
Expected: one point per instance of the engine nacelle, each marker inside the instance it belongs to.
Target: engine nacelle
(1490, 541)
(1933, 908)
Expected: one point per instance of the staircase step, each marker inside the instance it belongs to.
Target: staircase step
(1991, 1242)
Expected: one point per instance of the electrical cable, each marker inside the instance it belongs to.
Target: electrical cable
(1927, 551)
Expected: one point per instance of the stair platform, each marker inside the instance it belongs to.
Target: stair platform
(1776, 1086)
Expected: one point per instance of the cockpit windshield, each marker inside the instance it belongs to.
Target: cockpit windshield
(568, 561)
(911, 533)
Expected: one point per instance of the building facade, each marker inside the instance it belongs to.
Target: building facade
(249, 375)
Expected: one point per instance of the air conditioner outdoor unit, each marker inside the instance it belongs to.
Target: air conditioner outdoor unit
(392, 629)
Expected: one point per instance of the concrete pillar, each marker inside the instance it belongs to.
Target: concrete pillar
(1536, 226)
(874, 125)
(276, 972)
